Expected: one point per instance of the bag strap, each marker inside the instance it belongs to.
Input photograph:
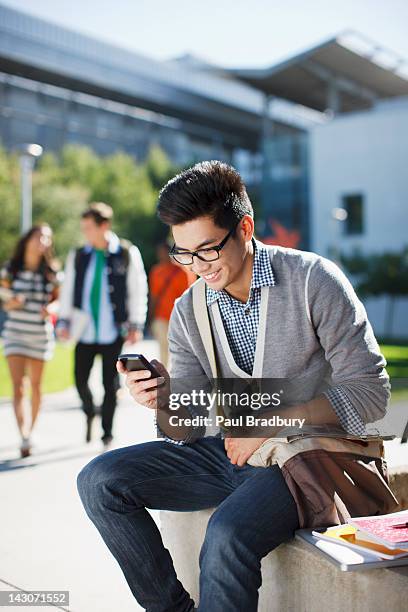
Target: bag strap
(203, 323)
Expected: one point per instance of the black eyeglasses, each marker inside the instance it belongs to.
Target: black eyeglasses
(186, 258)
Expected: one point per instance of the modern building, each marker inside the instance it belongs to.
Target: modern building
(58, 87)
(357, 184)
(358, 166)
(355, 156)
(364, 172)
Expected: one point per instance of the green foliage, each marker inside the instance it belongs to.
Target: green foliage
(159, 168)
(9, 202)
(63, 185)
(80, 164)
(386, 273)
(60, 206)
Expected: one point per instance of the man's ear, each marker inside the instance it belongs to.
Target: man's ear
(247, 227)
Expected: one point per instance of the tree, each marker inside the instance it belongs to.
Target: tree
(60, 206)
(9, 203)
(64, 184)
(159, 168)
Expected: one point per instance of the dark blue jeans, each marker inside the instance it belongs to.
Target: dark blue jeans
(255, 513)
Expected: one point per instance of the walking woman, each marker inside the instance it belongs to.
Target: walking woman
(29, 290)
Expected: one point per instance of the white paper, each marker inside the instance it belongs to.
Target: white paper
(342, 554)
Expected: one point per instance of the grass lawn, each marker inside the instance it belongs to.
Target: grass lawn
(395, 355)
(397, 368)
(397, 362)
(58, 372)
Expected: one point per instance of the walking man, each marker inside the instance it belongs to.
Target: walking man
(105, 293)
(274, 313)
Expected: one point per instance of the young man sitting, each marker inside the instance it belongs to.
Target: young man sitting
(275, 313)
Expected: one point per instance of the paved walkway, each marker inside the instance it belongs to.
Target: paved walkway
(47, 542)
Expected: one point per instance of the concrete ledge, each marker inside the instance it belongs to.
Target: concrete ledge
(295, 577)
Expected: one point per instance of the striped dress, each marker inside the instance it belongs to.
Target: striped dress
(25, 331)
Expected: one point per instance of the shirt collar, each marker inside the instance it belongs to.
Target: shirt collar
(262, 273)
(113, 244)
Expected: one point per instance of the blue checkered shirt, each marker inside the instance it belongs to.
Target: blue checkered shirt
(241, 320)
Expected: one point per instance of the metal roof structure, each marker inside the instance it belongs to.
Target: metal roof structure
(339, 75)
(346, 73)
(43, 52)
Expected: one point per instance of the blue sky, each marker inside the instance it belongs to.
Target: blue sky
(227, 32)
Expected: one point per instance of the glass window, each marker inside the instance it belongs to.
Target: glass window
(354, 205)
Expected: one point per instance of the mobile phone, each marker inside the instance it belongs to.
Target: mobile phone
(134, 362)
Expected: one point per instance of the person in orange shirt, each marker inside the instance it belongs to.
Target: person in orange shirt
(167, 281)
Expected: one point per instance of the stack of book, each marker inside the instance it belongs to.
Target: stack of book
(384, 536)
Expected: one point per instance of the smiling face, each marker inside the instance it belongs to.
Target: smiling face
(234, 266)
(40, 241)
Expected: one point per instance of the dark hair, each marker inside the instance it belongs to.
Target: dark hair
(48, 266)
(99, 212)
(208, 189)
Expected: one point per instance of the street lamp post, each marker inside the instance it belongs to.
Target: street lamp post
(28, 155)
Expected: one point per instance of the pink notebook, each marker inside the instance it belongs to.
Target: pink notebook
(389, 529)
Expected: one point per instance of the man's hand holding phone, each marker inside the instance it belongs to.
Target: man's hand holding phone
(148, 382)
(149, 385)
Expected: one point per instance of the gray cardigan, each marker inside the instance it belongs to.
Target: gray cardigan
(317, 332)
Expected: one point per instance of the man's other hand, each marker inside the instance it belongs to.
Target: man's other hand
(239, 450)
